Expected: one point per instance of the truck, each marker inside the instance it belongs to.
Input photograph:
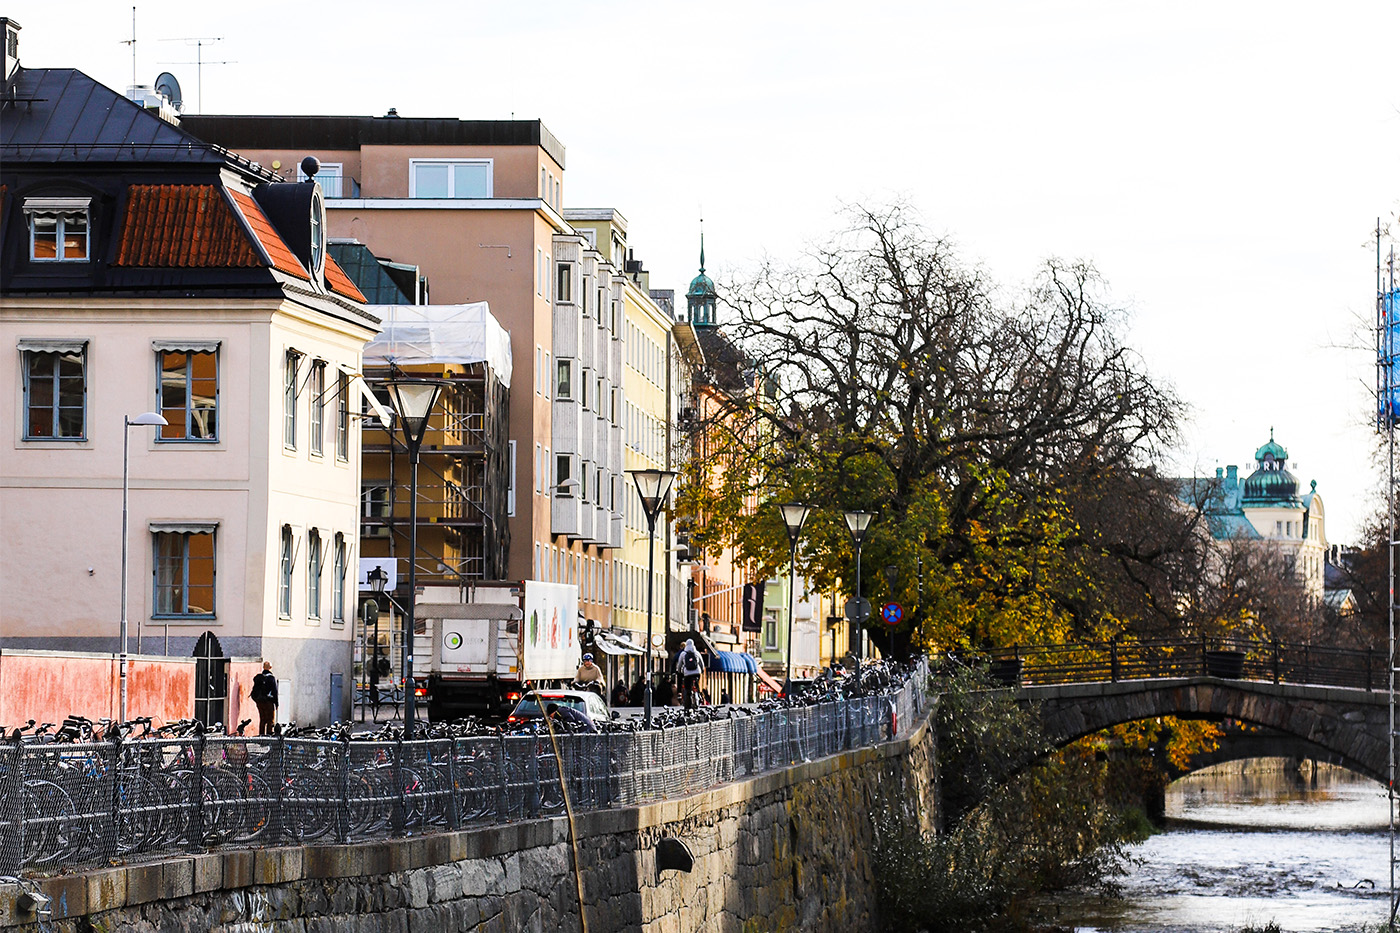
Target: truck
(505, 638)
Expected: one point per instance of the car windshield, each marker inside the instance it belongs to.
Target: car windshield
(530, 706)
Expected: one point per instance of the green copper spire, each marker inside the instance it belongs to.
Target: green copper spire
(702, 246)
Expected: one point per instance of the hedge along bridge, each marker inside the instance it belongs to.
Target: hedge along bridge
(67, 805)
(1329, 699)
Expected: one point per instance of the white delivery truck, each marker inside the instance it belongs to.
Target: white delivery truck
(505, 638)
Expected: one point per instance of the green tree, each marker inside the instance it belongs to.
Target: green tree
(976, 423)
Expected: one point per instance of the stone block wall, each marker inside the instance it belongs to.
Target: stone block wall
(788, 850)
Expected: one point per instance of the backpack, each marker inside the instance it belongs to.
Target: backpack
(690, 663)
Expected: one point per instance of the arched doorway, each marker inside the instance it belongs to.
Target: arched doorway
(210, 680)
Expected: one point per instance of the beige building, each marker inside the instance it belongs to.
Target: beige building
(182, 280)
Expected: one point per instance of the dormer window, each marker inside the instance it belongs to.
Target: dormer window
(58, 229)
(318, 236)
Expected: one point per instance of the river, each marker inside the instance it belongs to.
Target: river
(1247, 848)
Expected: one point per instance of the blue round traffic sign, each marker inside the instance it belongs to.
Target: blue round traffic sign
(892, 614)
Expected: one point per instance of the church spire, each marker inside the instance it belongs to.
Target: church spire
(702, 246)
(700, 297)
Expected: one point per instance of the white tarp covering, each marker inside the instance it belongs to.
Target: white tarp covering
(460, 334)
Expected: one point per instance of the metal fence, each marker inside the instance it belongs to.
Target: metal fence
(79, 804)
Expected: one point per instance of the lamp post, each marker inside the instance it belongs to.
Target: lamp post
(653, 486)
(794, 517)
(858, 523)
(413, 402)
(145, 418)
(378, 579)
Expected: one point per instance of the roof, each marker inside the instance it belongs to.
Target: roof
(727, 365)
(62, 115)
(278, 253)
(1272, 450)
(238, 131)
(363, 268)
(189, 226)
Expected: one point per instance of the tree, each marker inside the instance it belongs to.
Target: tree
(977, 425)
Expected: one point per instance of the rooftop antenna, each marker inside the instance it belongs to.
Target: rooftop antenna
(199, 42)
(132, 42)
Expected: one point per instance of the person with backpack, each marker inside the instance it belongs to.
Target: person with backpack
(264, 694)
(690, 665)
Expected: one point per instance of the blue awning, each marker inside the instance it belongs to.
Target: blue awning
(733, 662)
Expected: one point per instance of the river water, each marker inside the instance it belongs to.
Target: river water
(1307, 851)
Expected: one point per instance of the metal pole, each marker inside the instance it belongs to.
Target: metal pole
(1387, 325)
(860, 622)
(411, 611)
(651, 581)
(121, 665)
(792, 587)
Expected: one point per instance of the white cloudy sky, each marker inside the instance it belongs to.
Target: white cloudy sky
(1222, 163)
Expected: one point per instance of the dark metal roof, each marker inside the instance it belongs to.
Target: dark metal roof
(237, 131)
(365, 271)
(61, 115)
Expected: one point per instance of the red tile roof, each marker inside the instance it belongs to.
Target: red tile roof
(282, 257)
(337, 281)
(182, 226)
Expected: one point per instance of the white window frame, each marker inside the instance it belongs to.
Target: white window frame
(510, 481)
(60, 209)
(334, 170)
(452, 177)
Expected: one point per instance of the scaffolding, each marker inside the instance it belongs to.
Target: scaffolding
(1387, 412)
(464, 478)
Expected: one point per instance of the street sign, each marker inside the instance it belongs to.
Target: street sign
(892, 613)
(857, 610)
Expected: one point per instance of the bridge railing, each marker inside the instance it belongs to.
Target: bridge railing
(1235, 659)
(67, 805)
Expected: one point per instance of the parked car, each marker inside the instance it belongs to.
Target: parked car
(534, 703)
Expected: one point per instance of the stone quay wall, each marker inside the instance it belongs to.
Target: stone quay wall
(787, 850)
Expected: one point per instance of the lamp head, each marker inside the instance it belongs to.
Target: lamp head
(653, 486)
(146, 417)
(794, 517)
(858, 523)
(413, 401)
(377, 578)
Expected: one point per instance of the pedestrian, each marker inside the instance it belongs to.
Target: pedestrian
(620, 696)
(665, 691)
(577, 722)
(637, 693)
(590, 676)
(724, 698)
(689, 664)
(264, 695)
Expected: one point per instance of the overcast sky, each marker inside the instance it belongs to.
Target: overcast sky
(1222, 164)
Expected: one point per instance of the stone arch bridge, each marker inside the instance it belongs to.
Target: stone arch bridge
(1328, 703)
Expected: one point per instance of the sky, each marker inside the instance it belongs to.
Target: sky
(1222, 165)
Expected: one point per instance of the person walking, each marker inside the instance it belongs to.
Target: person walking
(264, 694)
(689, 664)
(620, 694)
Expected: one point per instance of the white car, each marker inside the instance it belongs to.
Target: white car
(534, 703)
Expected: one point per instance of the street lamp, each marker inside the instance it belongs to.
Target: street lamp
(413, 401)
(794, 517)
(145, 418)
(653, 486)
(858, 523)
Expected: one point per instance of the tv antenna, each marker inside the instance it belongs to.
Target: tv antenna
(132, 42)
(198, 42)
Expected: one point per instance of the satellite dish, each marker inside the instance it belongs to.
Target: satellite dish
(169, 88)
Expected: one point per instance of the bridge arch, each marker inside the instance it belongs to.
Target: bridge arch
(1346, 726)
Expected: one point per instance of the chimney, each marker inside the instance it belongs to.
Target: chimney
(11, 62)
(1232, 476)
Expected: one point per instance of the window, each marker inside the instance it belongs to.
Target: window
(317, 402)
(565, 290)
(510, 481)
(58, 229)
(564, 386)
(338, 581)
(184, 569)
(289, 400)
(539, 478)
(189, 390)
(539, 369)
(450, 178)
(583, 388)
(342, 417)
(770, 628)
(55, 389)
(546, 369)
(313, 574)
(583, 480)
(561, 474)
(284, 576)
(330, 177)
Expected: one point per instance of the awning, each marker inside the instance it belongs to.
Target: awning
(52, 345)
(733, 662)
(386, 417)
(611, 644)
(186, 346)
(767, 683)
(183, 528)
(676, 640)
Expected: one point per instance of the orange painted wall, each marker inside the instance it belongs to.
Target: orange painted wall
(49, 686)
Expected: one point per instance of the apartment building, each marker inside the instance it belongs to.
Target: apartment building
(142, 270)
